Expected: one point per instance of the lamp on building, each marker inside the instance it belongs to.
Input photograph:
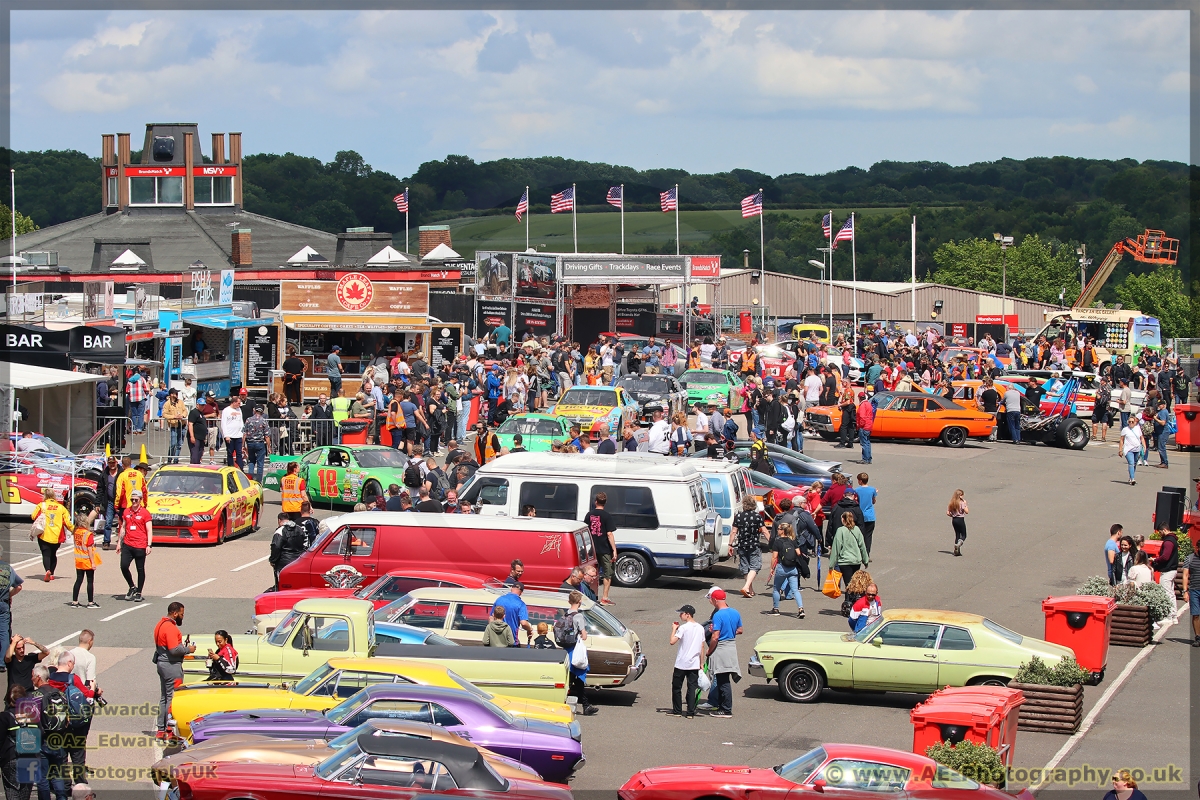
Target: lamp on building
(937, 309)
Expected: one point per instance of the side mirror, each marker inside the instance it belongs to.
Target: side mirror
(819, 785)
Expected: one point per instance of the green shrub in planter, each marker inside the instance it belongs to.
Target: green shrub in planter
(1185, 543)
(1065, 673)
(979, 762)
(1096, 586)
(1154, 598)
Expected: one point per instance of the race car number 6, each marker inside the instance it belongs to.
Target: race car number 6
(8, 486)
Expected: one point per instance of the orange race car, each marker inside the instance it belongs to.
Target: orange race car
(911, 415)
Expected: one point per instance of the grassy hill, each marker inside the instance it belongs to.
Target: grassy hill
(600, 231)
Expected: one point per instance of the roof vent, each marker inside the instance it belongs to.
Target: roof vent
(164, 148)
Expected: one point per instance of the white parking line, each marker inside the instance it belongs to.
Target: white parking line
(1090, 719)
(63, 639)
(126, 611)
(188, 589)
(251, 564)
(37, 559)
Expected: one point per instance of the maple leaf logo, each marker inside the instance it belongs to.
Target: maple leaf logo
(355, 291)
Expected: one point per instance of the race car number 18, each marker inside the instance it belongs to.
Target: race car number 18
(327, 482)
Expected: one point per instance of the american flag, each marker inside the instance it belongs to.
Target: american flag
(752, 205)
(616, 196)
(563, 201)
(826, 221)
(846, 233)
(402, 202)
(523, 205)
(669, 200)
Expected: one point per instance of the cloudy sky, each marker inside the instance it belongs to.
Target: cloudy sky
(706, 91)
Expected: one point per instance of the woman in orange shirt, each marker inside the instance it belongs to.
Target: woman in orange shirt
(86, 561)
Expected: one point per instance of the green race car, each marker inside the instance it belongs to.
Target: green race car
(904, 650)
(712, 387)
(537, 431)
(342, 474)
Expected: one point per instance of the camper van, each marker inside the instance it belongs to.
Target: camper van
(659, 505)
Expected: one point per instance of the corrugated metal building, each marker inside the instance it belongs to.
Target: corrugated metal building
(793, 296)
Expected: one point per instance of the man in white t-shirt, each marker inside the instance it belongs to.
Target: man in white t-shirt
(660, 434)
(689, 635)
(706, 354)
(812, 389)
(700, 426)
(85, 662)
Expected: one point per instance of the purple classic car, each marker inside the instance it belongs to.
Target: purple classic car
(551, 748)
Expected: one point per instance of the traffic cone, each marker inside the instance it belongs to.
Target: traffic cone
(107, 451)
(143, 459)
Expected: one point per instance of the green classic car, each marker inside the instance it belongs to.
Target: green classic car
(537, 431)
(342, 474)
(905, 650)
(712, 387)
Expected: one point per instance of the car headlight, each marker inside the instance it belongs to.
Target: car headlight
(203, 517)
(715, 396)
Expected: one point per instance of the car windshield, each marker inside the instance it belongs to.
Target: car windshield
(183, 482)
(284, 629)
(1002, 631)
(53, 448)
(392, 610)
(704, 377)
(371, 727)
(383, 457)
(798, 770)
(767, 481)
(467, 685)
(600, 614)
(527, 426)
(330, 767)
(435, 638)
(645, 383)
(588, 397)
(869, 631)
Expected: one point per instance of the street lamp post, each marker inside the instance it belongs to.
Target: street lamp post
(1084, 263)
(821, 285)
(1005, 243)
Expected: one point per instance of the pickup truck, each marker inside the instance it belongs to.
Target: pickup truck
(317, 630)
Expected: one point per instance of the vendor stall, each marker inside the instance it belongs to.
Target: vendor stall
(366, 319)
(209, 344)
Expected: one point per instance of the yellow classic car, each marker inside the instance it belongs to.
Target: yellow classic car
(202, 504)
(596, 407)
(334, 681)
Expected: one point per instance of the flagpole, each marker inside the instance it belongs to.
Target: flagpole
(762, 267)
(405, 219)
(913, 294)
(830, 244)
(622, 219)
(677, 219)
(528, 209)
(574, 230)
(683, 301)
(854, 277)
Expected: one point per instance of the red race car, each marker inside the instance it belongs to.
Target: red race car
(857, 772)
(377, 767)
(381, 591)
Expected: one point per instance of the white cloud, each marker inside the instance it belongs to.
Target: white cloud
(1084, 84)
(112, 36)
(1123, 126)
(1176, 82)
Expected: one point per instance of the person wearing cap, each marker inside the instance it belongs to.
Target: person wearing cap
(689, 636)
(174, 413)
(106, 496)
(660, 433)
(256, 434)
(865, 419)
(333, 371)
(212, 420)
(722, 654)
(137, 537)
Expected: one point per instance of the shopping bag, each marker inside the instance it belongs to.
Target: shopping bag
(579, 658)
(704, 680)
(831, 588)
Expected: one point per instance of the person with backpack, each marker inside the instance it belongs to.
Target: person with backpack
(54, 724)
(436, 482)
(222, 662)
(13, 789)
(287, 544)
(786, 557)
(80, 708)
(570, 631)
(169, 650)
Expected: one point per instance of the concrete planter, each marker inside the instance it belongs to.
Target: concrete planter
(1131, 626)
(1050, 709)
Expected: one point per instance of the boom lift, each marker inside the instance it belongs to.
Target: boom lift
(1151, 247)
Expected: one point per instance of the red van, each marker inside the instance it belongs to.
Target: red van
(384, 590)
(374, 543)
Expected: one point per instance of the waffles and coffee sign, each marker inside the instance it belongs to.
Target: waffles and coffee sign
(354, 293)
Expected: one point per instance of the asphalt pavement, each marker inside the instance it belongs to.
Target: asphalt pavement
(1039, 519)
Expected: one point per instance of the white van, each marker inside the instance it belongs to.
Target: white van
(659, 504)
(728, 483)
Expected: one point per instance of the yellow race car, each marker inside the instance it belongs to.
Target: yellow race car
(202, 504)
(598, 410)
(333, 682)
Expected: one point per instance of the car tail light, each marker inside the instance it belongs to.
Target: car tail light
(557, 757)
(695, 536)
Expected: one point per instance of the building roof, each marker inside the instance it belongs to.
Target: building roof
(170, 240)
(440, 253)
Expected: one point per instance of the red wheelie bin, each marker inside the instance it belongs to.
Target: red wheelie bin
(956, 721)
(1084, 624)
(1006, 701)
(353, 430)
(1187, 422)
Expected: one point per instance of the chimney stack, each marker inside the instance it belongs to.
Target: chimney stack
(241, 255)
(218, 148)
(430, 236)
(189, 184)
(235, 157)
(108, 159)
(122, 161)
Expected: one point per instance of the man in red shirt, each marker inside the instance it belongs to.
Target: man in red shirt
(137, 536)
(169, 650)
(865, 418)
